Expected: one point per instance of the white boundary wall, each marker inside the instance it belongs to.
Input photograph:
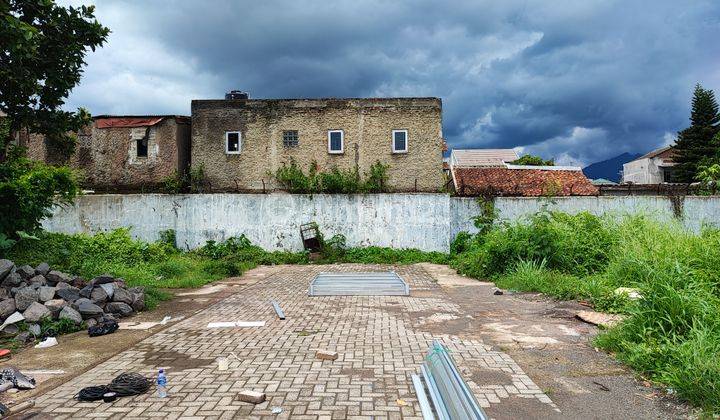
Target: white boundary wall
(424, 221)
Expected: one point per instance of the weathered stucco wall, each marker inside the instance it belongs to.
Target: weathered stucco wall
(367, 126)
(423, 221)
(271, 221)
(694, 211)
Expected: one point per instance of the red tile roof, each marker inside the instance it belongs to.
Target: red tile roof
(521, 182)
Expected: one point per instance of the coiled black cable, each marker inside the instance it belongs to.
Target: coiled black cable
(124, 385)
(91, 393)
(127, 384)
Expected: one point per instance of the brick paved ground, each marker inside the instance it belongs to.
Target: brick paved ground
(381, 342)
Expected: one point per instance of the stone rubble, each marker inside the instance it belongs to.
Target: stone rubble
(33, 295)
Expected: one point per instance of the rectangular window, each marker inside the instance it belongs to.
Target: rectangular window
(399, 141)
(336, 140)
(290, 138)
(233, 142)
(142, 147)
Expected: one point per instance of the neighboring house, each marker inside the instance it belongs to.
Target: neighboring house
(240, 143)
(488, 173)
(124, 153)
(655, 167)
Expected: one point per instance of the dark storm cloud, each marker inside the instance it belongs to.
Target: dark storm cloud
(580, 81)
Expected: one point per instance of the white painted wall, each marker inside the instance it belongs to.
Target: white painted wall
(423, 221)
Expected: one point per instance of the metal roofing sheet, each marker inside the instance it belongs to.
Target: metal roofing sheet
(386, 283)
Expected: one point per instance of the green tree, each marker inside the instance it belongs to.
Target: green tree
(43, 51)
(533, 161)
(695, 144)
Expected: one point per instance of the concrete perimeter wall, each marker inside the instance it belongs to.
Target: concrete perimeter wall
(424, 221)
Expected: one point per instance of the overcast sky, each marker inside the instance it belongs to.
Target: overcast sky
(579, 81)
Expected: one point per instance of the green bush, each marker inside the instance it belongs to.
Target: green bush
(28, 191)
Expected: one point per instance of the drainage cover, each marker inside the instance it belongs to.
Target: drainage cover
(385, 283)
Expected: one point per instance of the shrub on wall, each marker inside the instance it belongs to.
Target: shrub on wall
(335, 181)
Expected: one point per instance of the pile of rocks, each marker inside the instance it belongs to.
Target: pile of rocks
(31, 294)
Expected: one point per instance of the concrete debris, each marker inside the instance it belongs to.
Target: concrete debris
(326, 355)
(631, 292)
(253, 397)
(599, 318)
(48, 342)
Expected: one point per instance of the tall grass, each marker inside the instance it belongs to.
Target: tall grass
(672, 334)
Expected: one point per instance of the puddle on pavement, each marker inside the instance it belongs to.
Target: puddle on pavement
(173, 360)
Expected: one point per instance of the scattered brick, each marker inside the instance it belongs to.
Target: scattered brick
(326, 355)
(253, 397)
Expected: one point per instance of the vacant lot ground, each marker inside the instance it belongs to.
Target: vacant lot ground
(523, 358)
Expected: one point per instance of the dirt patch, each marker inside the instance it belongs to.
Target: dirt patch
(358, 373)
(173, 360)
(521, 408)
(490, 377)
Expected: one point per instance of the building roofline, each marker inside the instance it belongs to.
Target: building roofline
(104, 116)
(653, 153)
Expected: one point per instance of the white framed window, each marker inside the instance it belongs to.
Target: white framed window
(399, 141)
(336, 141)
(233, 142)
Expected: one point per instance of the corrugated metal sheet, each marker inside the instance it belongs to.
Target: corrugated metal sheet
(385, 283)
(472, 158)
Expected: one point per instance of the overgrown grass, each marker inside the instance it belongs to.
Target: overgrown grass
(672, 334)
(153, 265)
(158, 266)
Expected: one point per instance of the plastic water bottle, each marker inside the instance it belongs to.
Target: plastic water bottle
(162, 384)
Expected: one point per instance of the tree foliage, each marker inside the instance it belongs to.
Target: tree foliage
(696, 143)
(533, 161)
(43, 50)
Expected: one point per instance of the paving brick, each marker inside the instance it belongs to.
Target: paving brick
(381, 339)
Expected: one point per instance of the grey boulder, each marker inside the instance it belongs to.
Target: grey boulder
(7, 308)
(38, 280)
(36, 312)
(102, 279)
(71, 314)
(25, 272)
(138, 301)
(57, 277)
(122, 295)
(98, 295)
(24, 297)
(46, 293)
(89, 310)
(42, 268)
(119, 308)
(12, 280)
(6, 267)
(55, 306)
(69, 293)
(109, 289)
(86, 291)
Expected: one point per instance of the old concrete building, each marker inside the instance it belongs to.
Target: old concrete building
(655, 167)
(241, 142)
(124, 153)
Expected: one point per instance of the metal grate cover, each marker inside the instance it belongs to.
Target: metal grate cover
(386, 283)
